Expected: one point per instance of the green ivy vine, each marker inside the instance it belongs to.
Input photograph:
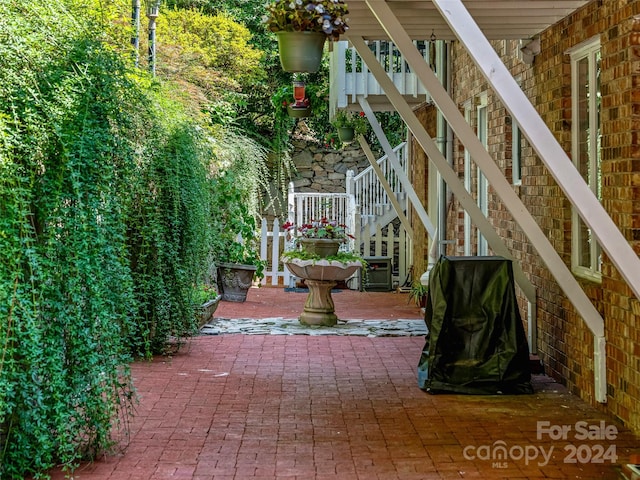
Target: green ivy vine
(104, 214)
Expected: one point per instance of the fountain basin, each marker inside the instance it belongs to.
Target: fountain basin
(332, 270)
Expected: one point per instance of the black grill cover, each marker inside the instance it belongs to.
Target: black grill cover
(476, 342)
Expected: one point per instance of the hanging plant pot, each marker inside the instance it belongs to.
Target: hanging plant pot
(301, 51)
(298, 112)
(346, 134)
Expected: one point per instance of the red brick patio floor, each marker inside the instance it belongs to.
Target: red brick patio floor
(343, 407)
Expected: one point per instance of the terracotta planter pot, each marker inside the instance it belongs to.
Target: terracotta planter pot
(234, 281)
(324, 247)
(301, 51)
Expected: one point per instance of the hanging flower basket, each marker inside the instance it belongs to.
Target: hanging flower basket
(298, 112)
(301, 51)
(349, 124)
(302, 27)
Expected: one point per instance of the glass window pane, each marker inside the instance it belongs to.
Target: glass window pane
(584, 245)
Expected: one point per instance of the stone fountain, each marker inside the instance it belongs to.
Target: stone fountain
(320, 276)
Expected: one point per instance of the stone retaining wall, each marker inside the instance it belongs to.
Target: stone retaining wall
(324, 169)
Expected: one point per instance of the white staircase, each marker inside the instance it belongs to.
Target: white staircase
(375, 206)
(365, 207)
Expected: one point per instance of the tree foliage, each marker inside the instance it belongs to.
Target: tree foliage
(194, 43)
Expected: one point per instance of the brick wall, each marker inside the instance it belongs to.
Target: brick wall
(564, 342)
(419, 176)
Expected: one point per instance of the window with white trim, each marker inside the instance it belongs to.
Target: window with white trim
(586, 254)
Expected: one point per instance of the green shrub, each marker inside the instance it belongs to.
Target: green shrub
(233, 226)
(104, 210)
(64, 381)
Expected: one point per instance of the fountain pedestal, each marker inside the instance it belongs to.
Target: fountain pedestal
(319, 308)
(321, 276)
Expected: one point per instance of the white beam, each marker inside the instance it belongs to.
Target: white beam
(393, 160)
(495, 176)
(543, 142)
(448, 174)
(385, 184)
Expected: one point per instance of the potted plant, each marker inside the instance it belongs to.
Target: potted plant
(349, 124)
(418, 293)
(234, 241)
(322, 237)
(302, 27)
(205, 299)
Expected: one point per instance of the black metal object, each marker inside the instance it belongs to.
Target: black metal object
(379, 274)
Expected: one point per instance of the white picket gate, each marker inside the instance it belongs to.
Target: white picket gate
(374, 244)
(272, 244)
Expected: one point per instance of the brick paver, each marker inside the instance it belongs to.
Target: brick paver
(341, 407)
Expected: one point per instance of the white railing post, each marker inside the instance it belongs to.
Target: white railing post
(264, 233)
(349, 183)
(275, 252)
(357, 231)
(291, 205)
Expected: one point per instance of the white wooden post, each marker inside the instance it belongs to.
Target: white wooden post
(275, 252)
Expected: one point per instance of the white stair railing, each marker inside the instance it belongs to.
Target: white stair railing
(364, 208)
(350, 77)
(368, 192)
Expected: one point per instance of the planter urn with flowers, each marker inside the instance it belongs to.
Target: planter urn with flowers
(318, 237)
(302, 28)
(321, 266)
